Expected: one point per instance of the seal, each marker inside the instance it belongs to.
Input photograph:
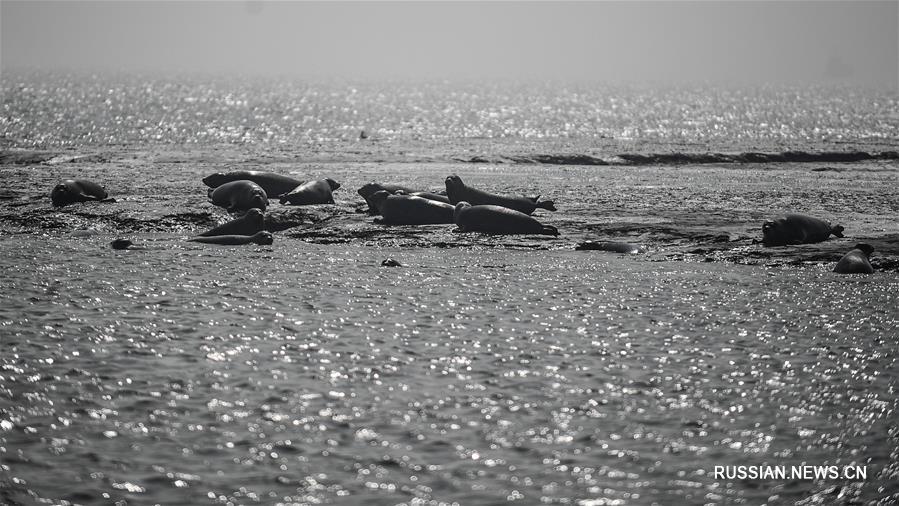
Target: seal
(263, 238)
(492, 219)
(273, 184)
(370, 189)
(239, 195)
(121, 243)
(394, 189)
(612, 246)
(457, 192)
(856, 261)
(71, 191)
(126, 244)
(311, 193)
(797, 229)
(411, 210)
(251, 222)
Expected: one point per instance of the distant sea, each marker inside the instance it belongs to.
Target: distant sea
(65, 110)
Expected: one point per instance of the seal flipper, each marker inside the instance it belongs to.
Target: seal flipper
(837, 231)
(549, 230)
(546, 204)
(85, 197)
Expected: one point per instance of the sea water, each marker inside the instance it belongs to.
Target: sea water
(485, 369)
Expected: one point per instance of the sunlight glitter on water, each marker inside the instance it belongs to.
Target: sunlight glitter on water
(586, 376)
(125, 110)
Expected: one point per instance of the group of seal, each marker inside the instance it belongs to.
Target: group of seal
(246, 189)
(248, 192)
(243, 192)
(801, 229)
(470, 209)
(246, 229)
(274, 184)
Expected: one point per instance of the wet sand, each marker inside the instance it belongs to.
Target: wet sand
(685, 212)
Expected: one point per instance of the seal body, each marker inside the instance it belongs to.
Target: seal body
(273, 184)
(263, 238)
(411, 210)
(797, 229)
(457, 192)
(312, 192)
(394, 189)
(370, 189)
(251, 222)
(612, 246)
(239, 195)
(856, 261)
(121, 243)
(497, 220)
(71, 191)
(436, 197)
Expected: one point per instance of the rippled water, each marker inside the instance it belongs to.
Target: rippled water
(305, 373)
(485, 370)
(71, 110)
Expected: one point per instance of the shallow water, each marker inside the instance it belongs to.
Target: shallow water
(486, 369)
(305, 373)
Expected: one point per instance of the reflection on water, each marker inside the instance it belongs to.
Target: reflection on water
(76, 110)
(302, 373)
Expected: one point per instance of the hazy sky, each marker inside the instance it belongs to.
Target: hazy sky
(797, 41)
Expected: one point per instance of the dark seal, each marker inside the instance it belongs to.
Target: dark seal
(251, 222)
(856, 261)
(311, 193)
(370, 189)
(797, 229)
(457, 192)
(491, 219)
(71, 191)
(411, 210)
(240, 195)
(612, 246)
(263, 238)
